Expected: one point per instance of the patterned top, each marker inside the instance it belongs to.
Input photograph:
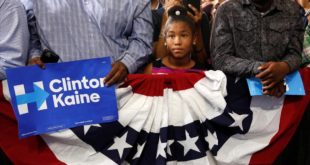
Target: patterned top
(81, 29)
(243, 38)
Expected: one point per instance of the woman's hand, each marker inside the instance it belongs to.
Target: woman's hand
(197, 14)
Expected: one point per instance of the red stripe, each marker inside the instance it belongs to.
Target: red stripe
(144, 84)
(28, 151)
(291, 115)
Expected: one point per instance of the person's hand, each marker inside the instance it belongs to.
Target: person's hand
(117, 74)
(272, 73)
(197, 14)
(278, 90)
(36, 61)
(205, 4)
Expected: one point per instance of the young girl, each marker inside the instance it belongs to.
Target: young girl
(202, 30)
(180, 38)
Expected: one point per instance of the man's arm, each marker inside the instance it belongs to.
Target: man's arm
(274, 72)
(294, 49)
(140, 39)
(139, 48)
(34, 43)
(35, 50)
(223, 48)
(14, 36)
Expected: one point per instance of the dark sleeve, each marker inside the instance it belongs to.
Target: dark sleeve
(34, 43)
(205, 29)
(157, 18)
(302, 12)
(223, 51)
(295, 46)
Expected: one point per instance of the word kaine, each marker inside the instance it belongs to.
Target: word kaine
(67, 91)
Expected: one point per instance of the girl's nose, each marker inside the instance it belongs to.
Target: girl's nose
(177, 40)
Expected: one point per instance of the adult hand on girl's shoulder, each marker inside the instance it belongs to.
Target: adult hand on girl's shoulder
(272, 73)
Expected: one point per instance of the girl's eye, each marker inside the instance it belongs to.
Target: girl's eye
(184, 35)
(170, 36)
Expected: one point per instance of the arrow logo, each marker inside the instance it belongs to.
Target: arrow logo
(38, 96)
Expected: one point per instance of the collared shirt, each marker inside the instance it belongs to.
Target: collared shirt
(27, 4)
(14, 35)
(243, 38)
(82, 29)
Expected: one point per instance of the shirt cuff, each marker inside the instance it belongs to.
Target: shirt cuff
(291, 65)
(130, 63)
(2, 74)
(255, 69)
(34, 53)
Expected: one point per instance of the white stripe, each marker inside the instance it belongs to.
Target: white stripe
(69, 149)
(207, 160)
(265, 124)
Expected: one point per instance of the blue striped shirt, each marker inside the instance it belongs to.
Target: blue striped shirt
(82, 29)
(14, 35)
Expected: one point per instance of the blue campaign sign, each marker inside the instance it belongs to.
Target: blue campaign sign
(293, 82)
(62, 95)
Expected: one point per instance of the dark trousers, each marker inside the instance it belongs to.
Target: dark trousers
(4, 160)
(297, 151)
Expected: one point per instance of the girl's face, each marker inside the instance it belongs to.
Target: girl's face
(179, 40)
